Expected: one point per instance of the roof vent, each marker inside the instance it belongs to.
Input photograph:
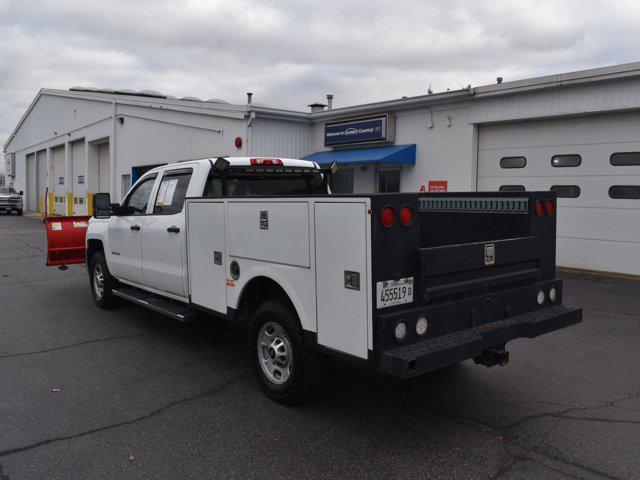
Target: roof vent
(151, 93)
(191, 99)
(126, 91)
(499, 79)
(316, 107)
(216, 100)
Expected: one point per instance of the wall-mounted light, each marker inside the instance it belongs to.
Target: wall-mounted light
(238, 142)
(121, 120)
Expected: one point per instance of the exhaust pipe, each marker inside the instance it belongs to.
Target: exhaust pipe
(490, 357)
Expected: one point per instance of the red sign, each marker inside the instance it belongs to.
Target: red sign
(437, 185)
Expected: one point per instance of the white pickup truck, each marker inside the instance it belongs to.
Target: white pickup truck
(404, 283)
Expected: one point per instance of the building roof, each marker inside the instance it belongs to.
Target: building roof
(224, 109)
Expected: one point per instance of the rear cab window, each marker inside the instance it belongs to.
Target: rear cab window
(251, 184)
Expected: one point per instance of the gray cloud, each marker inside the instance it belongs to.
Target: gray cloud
(290, 53)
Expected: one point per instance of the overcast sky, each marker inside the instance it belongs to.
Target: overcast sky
(292, 53)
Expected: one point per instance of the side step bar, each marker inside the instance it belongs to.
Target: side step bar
(177, 311)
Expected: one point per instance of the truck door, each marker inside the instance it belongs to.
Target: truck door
(341, 274)
(125, 233)
(163, 237)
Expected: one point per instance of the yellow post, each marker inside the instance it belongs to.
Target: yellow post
(41, 206)
(50, 203)
(69, 204)
(90, 203)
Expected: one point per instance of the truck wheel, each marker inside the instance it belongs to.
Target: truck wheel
(101, 281)
(286, 370)
(19, 212)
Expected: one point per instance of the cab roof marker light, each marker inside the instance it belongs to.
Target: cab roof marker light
(266, 161)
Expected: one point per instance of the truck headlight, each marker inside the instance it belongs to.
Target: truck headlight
(540, 297)
(422, 325)
(400, 331)
(553, 294)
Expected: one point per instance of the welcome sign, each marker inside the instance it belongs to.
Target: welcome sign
(360, 130)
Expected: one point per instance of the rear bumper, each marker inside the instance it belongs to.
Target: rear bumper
(428, 355)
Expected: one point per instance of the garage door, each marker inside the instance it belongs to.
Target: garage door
(594, 165)
(29, 198)
(41, 178)
(103, 168)
(78, 177)
(57, 182)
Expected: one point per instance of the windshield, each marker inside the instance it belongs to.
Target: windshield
(6, 190)
(267, 184)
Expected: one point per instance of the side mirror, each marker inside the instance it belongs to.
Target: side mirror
(21, 193)
(101, 205)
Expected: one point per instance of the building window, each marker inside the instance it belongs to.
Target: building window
(566, 191)
(629, 192)
(625, 159)
(566, 160)
(342, 181)
(513, 162)
(512, 188)
(388, 181)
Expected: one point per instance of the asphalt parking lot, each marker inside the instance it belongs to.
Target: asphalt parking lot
(126, 393)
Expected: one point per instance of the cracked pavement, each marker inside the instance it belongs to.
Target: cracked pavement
(83, 389)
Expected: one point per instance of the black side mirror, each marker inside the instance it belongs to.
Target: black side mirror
(101, 205)
(21, 193)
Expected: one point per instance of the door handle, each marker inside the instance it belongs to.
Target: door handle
(135, 227)
(173, 229)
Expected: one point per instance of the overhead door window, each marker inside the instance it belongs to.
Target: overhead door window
(513, 162)
(172, 191)
(628, 192)
(566, 191)
(388, 181)
(512, 188)
(625, 159)
(566, 160)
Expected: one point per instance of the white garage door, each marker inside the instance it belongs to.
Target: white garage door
(594, 164)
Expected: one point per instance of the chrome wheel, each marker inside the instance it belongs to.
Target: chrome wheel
(274, 352)
(98, 280)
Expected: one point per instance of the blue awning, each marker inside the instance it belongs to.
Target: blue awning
(394, 155)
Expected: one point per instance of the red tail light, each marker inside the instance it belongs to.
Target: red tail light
(387, 217)
(266, 161)
(539, 208)
(549, 207)
(406, 215)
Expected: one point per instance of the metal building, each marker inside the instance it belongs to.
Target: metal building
(576, 133)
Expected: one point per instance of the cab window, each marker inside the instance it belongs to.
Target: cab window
(172, 191)
(137, 201)
(266, 184)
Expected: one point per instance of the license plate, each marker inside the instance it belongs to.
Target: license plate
(394, 292)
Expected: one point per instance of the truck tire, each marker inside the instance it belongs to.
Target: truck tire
(19, 212)
(101, 281)
(286, 370)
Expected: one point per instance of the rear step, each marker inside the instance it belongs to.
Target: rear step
(177, 311)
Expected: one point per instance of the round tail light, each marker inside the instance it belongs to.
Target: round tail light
(387, 217)
(539, 208)
(549, 207)
(406, 215)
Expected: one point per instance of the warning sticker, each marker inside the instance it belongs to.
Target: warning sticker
(56, 226)
(80, 224)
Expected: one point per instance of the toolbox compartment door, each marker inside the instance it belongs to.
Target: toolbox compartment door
(341, 251)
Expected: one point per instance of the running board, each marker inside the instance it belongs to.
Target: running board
(177, 311)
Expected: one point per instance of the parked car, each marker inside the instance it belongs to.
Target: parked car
(10, 200)
(404, 283)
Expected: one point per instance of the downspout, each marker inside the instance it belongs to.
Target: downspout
(112, 152)
(252, 116)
